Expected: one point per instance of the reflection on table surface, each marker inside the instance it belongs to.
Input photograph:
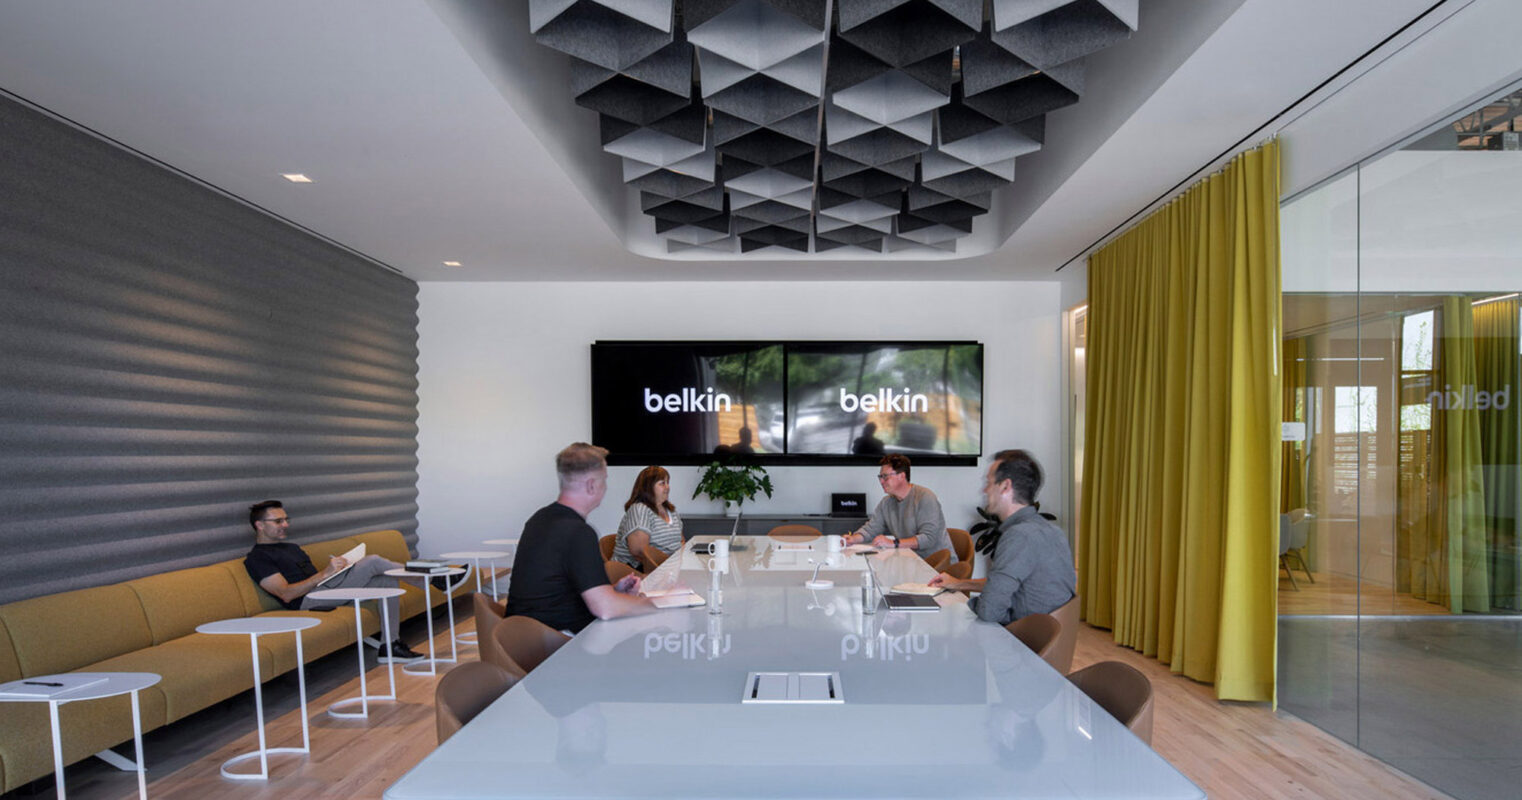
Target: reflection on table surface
(935, 702)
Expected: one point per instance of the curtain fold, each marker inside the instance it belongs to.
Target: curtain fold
(1455, 570)
(1182, 459)
(1497, 349)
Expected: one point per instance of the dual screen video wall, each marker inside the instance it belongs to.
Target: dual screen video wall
(787, 402)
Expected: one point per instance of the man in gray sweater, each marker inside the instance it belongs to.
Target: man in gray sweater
(909, 517)
(1032, 568)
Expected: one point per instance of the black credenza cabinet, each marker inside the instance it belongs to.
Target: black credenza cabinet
(761, 524)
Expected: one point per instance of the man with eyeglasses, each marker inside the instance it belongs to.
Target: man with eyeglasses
(908, 517)
(285, 571)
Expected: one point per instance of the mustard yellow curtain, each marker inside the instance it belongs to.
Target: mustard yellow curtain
(1182, 453)
(1497, 352)
(1454, 569)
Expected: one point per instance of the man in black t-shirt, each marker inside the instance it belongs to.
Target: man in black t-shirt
(558, 572)
(285, 571)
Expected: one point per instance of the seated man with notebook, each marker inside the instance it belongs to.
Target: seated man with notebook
(1032, 567)
(558, 572)
(909, 516)
(283, 569)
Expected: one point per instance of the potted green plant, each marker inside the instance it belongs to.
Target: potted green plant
(733, 483)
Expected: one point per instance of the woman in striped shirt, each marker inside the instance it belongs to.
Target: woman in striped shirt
(650, 520)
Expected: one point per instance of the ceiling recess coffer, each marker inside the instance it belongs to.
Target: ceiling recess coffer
(885, 125)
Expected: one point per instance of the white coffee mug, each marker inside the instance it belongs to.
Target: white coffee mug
(835, 543)
(721, 547)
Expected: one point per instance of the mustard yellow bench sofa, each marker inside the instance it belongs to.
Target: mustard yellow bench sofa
(148, 625)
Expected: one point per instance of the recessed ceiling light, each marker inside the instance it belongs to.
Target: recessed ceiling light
(451, 263)
(296, 177)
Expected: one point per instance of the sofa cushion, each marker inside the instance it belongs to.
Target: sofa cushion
(70, 630)
(254, 599)
(198, 670)
(322, 552)
(10, 668)
(335, 632)
(387, 544)
(176, 602)
(89, 726)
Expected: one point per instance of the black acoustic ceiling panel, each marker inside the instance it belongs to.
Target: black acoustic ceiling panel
(886, 125)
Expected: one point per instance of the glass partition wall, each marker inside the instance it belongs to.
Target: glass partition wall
(1400, 592)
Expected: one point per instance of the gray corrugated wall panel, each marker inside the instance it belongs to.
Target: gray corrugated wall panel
(171, 356)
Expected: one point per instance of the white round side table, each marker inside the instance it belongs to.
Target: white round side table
(476, 557)
(511, 546)
(92, 686)
(253, 628)
(358, 595)
(432, 661)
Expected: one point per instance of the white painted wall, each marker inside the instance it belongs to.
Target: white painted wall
(504, 374)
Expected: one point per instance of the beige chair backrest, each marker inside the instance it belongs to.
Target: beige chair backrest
(1121, 690)
(938, 560)
(466, 691)
(617, 570)
(606, 545)
(489, 614)
(795, 532)
(652, 557)
(1039, 632)
(1067, 640)
(527, 641)
(961, 543)
(962, 570)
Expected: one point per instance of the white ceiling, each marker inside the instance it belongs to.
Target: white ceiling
(437, 131)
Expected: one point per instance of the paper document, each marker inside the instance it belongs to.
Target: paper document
(678, 600)
(352, 557)
(916, 588)
(48, 686)
(674, 589)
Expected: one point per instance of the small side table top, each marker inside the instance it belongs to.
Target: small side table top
(113, 683)
(488, 554)
(357, 593)
(407, 573)
(501, 542)
(259, 625)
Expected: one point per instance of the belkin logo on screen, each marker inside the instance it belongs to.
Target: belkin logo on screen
(689, 400)
(885, 400)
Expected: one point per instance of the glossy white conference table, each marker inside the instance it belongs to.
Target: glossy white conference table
(937, 705)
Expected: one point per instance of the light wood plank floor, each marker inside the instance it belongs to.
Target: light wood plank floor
(1232, 750)
(1339, 594)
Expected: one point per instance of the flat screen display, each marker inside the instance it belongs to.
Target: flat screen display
(787, 401)
(654, 400)
(872, 398)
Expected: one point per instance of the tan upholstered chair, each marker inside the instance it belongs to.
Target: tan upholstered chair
(1121, 690)
(938, 560)
(466, 691)
(617, 570)
(961, 544)
(606, 545)
(652, 557)
(795, 532)
(962, 570)
(527, 641)
(489, 614)
(1067, 617)
(1039, 632)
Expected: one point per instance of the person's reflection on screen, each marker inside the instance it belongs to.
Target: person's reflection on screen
(867, 444)
(743, 447)
(1025, 688)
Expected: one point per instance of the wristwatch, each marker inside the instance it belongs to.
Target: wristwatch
(895, 542)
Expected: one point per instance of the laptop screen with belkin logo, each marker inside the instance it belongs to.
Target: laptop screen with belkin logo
(848, 504)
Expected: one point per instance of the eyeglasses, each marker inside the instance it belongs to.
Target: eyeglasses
(882, 476)
(277, 520)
